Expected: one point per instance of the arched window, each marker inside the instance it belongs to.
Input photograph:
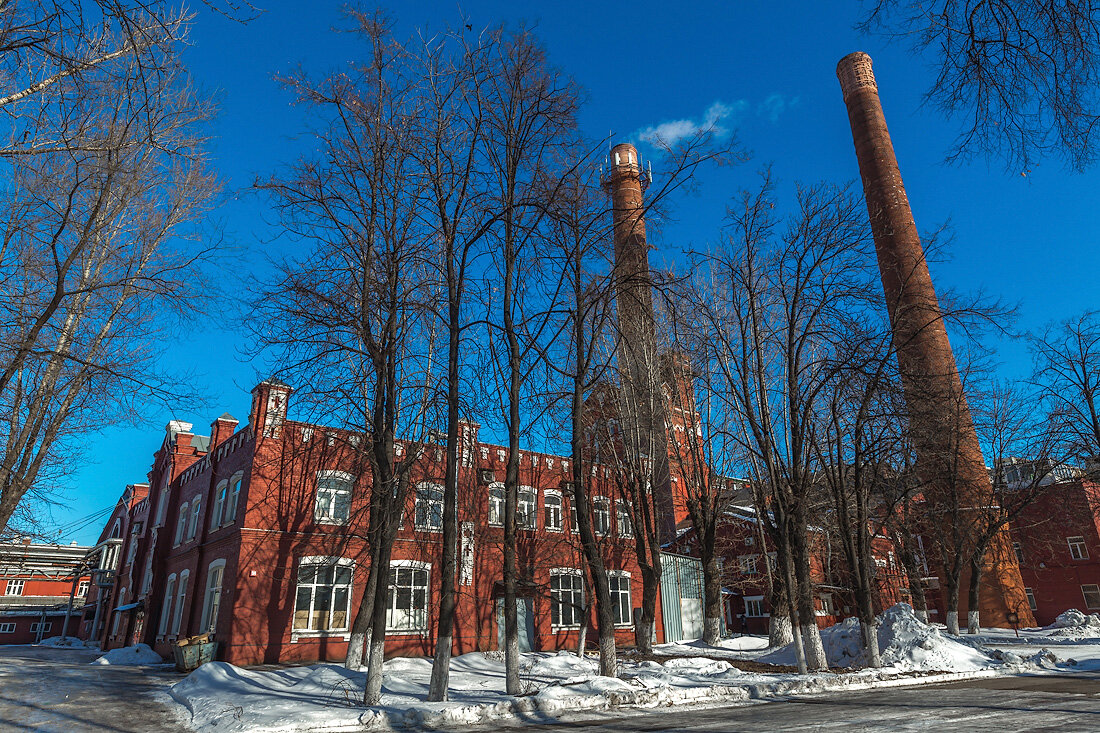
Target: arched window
(221, 493)
(333, 497)
(496, 504)
(323, 596)
(212, 601)
(196, 514)
(527, 516)
(166, 604)
(234, 497)
(429, 507)
(181, 599)
(552, 509)
(116, 530)
(181, 523)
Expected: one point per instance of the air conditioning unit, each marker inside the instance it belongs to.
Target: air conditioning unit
(486, 476)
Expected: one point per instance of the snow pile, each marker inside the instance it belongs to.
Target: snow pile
(1075, 625)
(906, 644)
(563, 664)
(137, 654)
(65, 642)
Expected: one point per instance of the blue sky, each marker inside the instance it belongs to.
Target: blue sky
(765, 69)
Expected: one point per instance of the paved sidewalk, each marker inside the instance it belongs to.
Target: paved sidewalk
(57, 691)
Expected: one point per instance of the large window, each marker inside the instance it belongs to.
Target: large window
(181, 599)
(212, 600)
(196, 514)
(552, 507)
(619, 585)
(429, 507)
(1077, 549)
(333, 497)
(566, 598)
(181, 525)
(408, 597)
(754, 606)
(748, 564)
(221, 493)
(324, 594)
(622, 519)
(7, 628)
(1092, 596)
(527, 509)
(234, 498)
(14, 588)
(496, 504)
(166, 606)
(601, 515)
(1031, 599)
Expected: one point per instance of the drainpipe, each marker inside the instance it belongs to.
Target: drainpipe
(69, 610)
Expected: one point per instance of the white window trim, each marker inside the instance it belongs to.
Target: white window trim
(327, 519)
(561, 510)
(606, 502)
(554, 628)
(180, 603)
(532, 492)
(429, 486)
(168, 606)
(496, 486)
(7, 628)
(746, 599)
(297, 635)
(623, 574)
(236, 480)
(204, 623)
(417, 565)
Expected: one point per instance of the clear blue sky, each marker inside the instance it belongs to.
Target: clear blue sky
(1028, 239)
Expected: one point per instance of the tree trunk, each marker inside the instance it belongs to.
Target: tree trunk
(804, 601)
(647, 619)
(973, 615)
(952, 599)
(712, 599)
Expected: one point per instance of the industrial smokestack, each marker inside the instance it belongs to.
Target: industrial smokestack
(643, 409)
(942, 430)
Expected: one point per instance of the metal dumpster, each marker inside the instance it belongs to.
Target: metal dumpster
(191, 653)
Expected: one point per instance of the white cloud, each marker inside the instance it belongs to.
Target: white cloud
(774, 105)
(714, 120)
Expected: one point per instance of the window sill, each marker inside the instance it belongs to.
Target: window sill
(561, 629)
(304, 635)
(406, 632)
(330, 522)
(555, 530)
(433, 530)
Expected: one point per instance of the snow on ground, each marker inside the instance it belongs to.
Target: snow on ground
(222, 697)
(1073, 640)
(67, 642)
(137, 654)
(906, 644)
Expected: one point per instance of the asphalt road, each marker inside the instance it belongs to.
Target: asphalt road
(56, 691)
(1061, 703)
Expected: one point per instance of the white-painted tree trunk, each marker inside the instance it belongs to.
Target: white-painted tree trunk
(581, 637)
(441, 669)
(645, 633)
(870, 644)
(815, 652)
(712, 630)
(953, 622)
(609, 662)
(357, 646)
(373, 694)
(780, 633)
(973, 622)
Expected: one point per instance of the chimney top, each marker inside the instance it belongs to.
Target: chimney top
(226, 417)
(625, 155)
(854, 72)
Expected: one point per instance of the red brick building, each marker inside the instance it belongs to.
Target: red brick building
(1057, 543)
(37, 582)
(259, 533)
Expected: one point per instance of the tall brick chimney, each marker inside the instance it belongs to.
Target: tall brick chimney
(941, 427)
(643, 408)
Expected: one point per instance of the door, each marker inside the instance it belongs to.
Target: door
(525, 620)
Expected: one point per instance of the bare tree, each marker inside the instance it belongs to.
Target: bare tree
(353, 319)
(1067, 377)
(530, 118)
(109, 185)
(1020, 75)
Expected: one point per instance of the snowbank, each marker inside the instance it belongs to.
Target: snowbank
(66, 642)
(137, 654)
(1075, 625)
(906, 644)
